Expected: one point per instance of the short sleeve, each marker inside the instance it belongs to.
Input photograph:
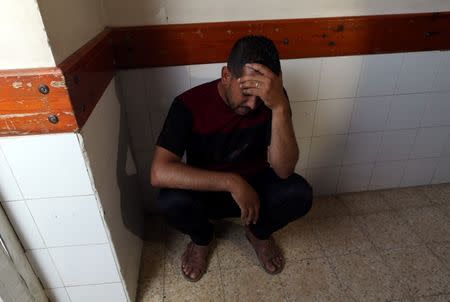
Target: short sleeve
(177, 129)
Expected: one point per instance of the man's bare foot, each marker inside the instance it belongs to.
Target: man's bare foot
(194, 261)
(268, 253)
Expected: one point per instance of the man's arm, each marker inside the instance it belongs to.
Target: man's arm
(283, 150)
(169, 172)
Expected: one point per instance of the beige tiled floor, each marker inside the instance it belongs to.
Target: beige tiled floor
(391, 245)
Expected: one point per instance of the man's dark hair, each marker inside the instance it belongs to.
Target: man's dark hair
(253, 49)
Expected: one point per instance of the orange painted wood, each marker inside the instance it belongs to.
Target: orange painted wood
(164, 45)
(25, 110)
(88, 72)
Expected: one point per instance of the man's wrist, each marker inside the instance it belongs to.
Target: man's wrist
(232, 182)
(282, 109)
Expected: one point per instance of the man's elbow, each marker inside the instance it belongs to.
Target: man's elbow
(284, 173)
(155, 176)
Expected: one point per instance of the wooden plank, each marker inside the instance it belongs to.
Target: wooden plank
(75, 87)
(26, 110)
(165, 45)
(88, 72)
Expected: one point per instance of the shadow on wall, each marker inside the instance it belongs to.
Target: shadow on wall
(131, 197)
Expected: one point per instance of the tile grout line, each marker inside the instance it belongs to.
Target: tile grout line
(333, 268)
(422, 242)
(219, 264)
(164, 262)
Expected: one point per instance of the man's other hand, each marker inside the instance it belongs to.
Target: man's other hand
(247, 200)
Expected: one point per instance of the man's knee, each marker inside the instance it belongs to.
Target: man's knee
(300, 194)
(174, 201)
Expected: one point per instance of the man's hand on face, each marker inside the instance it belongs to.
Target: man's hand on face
(266, 85)
(247, 200)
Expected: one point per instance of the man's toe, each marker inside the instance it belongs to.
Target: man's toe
(270, 266)
(194, 274)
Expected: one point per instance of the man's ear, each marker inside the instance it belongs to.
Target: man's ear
(226, 76)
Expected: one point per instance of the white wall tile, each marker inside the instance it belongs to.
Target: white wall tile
(58, 167)
(140, 130)
(406, 111)
(370, 114)
(132, 88)
(442, 80)
(442, 173)
(157, 120)
(304, 145)
(58, 220)
(83, 265)
(355, 178)
(301, 78)
(57, 295)
(112, 292)
(418, 72)
(327, 151)
(362, 147)
(203, 73)
(333, 116)
(23, 223)
(446, 150)
(44, 268)
(339, 77)
(379, 74)
(323, 180)
(387, 175)
(303, 118)
(419, 171)
(8, 187)
(396, 145)
(430, 142)
(164, 84)
(437, 112)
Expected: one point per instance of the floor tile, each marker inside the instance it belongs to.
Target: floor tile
(209, 288)
(387, 230)
(430, 223)
(439, 194)
(340, 235)
(442, 251)
(152, 260)
(406, 198)
(312, 280)
(445, 209)
(419, 270)
(251, 284)
(327, 206)
(233, 248)
(150, 290)
(365, 202)
(298, 241)
(438, 298)
(367, 277)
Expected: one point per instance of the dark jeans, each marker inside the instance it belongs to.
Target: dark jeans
(282, 201)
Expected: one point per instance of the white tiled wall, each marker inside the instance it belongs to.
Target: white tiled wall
(48, 196)
(105, 141)
(362, 122)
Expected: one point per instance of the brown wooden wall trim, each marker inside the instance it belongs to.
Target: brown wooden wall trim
(75, 87)
(164, 45)
(35, 101)
(88, 72)
(77, 84)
